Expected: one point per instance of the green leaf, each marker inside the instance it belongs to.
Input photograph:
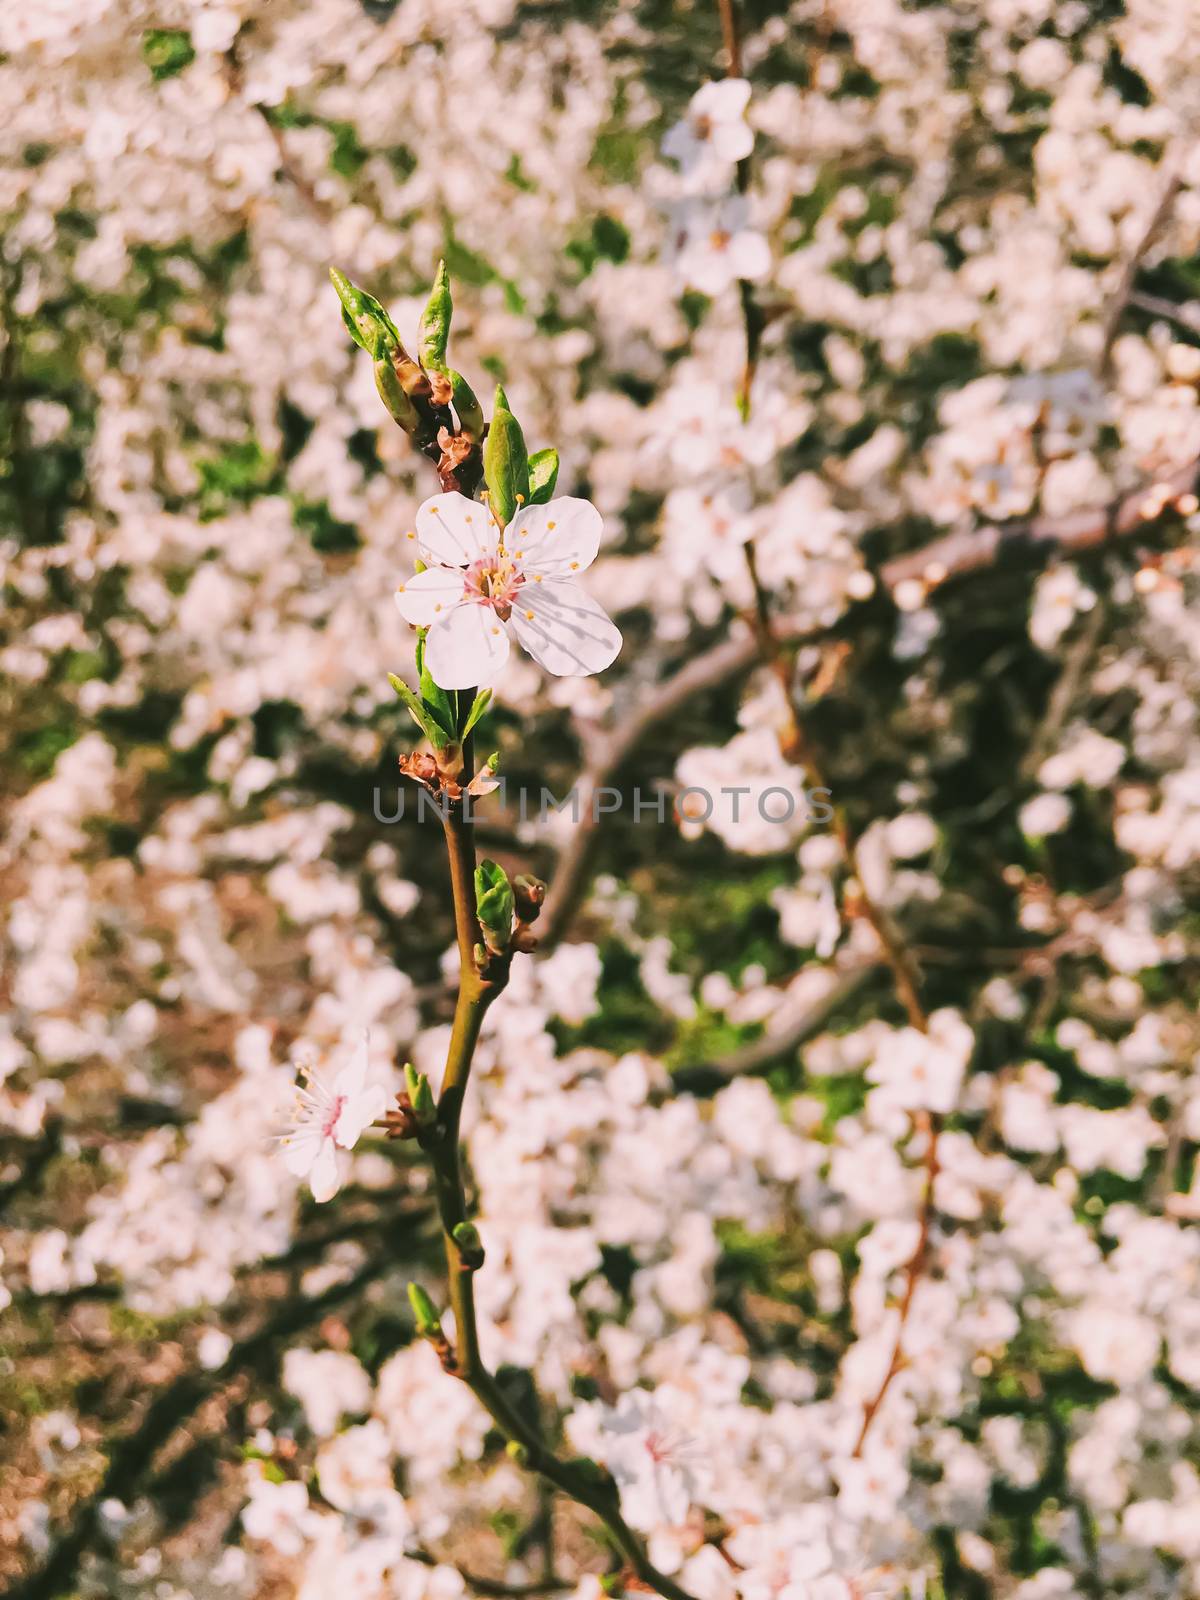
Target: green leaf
(466, 405)
(368, 323)
(391, 391)
(483, 700)
(505, 462)
(543, 475)
(442, 705)
(435, 323)
(417, 712)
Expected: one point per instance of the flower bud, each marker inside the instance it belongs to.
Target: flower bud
(429, 1324)
(470, 1245)
(420, 1096)
(529, 894)
(494, 905)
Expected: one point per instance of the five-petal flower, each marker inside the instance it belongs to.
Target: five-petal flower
(330, 1112)
(480, 582)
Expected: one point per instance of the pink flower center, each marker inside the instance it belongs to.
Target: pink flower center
(332, 1115)
(493, 581)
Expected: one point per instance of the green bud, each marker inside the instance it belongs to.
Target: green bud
(435, 323)
(466, 406)
(391, 392)
(494, 905)
(543, 475)
(429, 1324)
(368, 323)
(505, 462)
(470, 1245)
(420, 1096)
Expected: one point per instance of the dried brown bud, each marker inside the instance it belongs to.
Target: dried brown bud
(529, 894)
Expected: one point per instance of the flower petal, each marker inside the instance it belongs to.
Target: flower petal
(732, 141)
(454, 531)
(324, 1179)
(564, 629)
(426, 594)
(721, 100)
(353, 1067)
(466, 647)
(556, 539)
(359, 1112)
(300, 1149)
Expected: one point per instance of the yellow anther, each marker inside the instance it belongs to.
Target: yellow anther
(550, 527)
(410, 534)
(574, 566)
(529, 614)
(520, 499)
(437, 608)
(495, 630)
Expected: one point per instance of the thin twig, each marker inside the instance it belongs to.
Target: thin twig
(971, 549)
(752, 317)
(1125, 284)
(772, 1047)
(588, 1485)
(797, 748)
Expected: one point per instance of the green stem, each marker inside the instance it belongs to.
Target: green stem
(583, 1483)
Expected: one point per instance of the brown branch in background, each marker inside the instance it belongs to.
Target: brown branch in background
(1187, 316)
(717, 665)
(896, 955)
(752, 316)
(762, 1053)
(1125, 285)
(957, 555)
(967, 551)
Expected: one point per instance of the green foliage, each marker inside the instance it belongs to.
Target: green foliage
(543, 475)
(323, 530)
(606, 240)
(241, 473)
(505, 461)
(435, 323)
(167, 51)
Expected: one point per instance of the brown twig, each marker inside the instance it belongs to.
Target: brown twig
(772, 1047)
(752, 316)
(897, 956)
(608, 751)
(1125, 284)
(968, 551)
